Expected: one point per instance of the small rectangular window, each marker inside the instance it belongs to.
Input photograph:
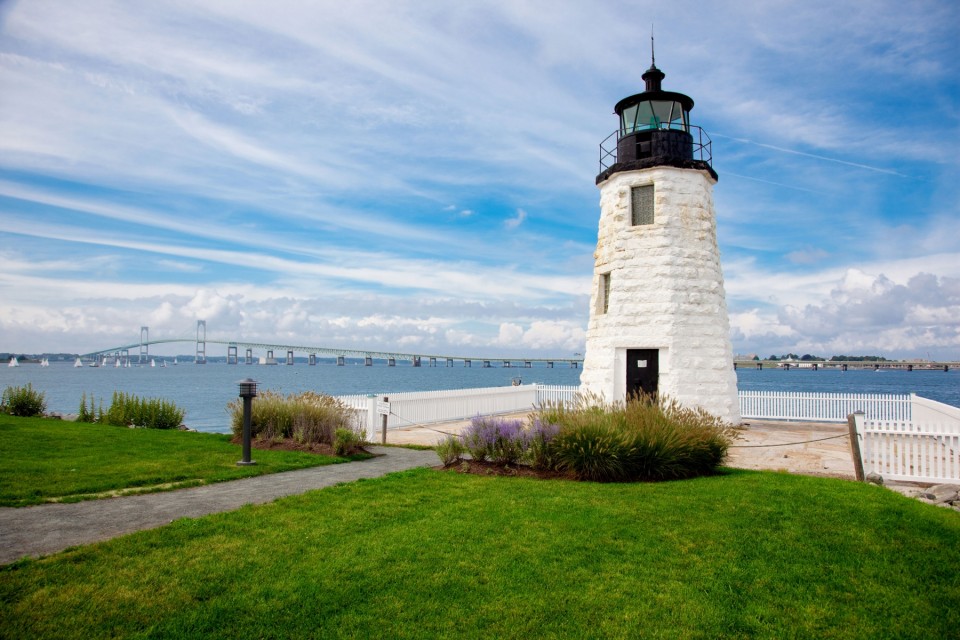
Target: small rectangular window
(641, 205)
(604, 292)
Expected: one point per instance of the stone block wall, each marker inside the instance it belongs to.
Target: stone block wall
(666, 292)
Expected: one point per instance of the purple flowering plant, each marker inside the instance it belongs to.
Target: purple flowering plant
(499, 440)
(538, 452)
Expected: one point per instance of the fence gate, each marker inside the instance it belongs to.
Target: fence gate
(909, 451)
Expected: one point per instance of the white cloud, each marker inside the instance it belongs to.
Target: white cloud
(161, 161)
(511, 335)
(516, 221)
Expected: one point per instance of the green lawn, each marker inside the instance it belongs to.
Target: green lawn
(43, 460)
(433, 554)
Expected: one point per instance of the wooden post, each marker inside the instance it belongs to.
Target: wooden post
(855, 444)
(384, 423)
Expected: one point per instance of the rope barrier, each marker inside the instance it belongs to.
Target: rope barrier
(422, 426)
(788, 444)
(736, 446)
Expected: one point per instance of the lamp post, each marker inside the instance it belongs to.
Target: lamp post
(248, 391)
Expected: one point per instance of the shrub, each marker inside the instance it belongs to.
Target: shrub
(23, 401)
(451, 450)
(499, 440)
(346, 441)
(592, 451)
(637, 440)
(539, 453)
(477, 438)
(671, 441)
(86, 414)
(509, 442)
(306, 417)
(127, 409)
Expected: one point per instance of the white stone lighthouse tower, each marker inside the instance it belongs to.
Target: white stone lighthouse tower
(658, 313)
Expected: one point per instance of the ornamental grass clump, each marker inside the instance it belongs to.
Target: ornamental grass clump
(640, 439)
(668, 441)
(347, 441)
(129, 410)
(592, 451)
(24, 402)
(307, 418)
(451, 450)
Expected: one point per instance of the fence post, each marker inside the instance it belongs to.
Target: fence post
(384, 428)
(852, 420)
(371, 417)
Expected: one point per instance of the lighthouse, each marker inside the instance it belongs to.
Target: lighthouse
(658, 312)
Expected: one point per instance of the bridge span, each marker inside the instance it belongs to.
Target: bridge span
(846, 365)
(140, 353)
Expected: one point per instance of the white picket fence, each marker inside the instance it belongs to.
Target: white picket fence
(902, 436)
(823, 407)
(903, 450)
(429, 407)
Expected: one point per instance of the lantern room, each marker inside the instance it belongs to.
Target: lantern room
(654, 130)
(654, 108)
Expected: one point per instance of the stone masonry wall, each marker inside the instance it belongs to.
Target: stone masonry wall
(666, 292)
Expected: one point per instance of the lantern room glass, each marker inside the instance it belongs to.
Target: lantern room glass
(654, 114)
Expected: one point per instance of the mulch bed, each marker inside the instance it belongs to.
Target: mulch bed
(487, 468)
(289, 444)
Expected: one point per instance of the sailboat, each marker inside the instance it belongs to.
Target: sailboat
(153, 362)
(174, 362)
(77, 363)
(44, 362)
(13, 362)
(116, 363)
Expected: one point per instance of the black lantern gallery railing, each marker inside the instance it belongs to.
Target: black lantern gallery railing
(689, 143)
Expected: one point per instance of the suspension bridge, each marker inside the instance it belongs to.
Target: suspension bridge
(140, 352)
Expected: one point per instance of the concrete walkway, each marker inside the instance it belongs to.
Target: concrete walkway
(48, 528)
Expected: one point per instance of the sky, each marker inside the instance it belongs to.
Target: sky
(420, 176)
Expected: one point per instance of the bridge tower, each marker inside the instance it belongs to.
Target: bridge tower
(144, 345)
(201, 357)
(658, 313)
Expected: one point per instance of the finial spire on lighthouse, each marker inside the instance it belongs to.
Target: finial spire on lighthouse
(653, 57)
(653, 76)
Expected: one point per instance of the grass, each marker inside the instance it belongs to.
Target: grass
(47, 460)
(432, 554)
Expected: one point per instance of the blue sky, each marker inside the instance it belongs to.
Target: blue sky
(419, 176)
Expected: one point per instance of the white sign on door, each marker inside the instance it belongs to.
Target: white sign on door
(641, 364)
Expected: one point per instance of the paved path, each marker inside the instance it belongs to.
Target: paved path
(48, 528)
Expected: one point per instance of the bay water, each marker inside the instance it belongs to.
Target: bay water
(204, 391)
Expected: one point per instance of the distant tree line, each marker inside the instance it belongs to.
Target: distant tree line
(5, 355)
(811, 358)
